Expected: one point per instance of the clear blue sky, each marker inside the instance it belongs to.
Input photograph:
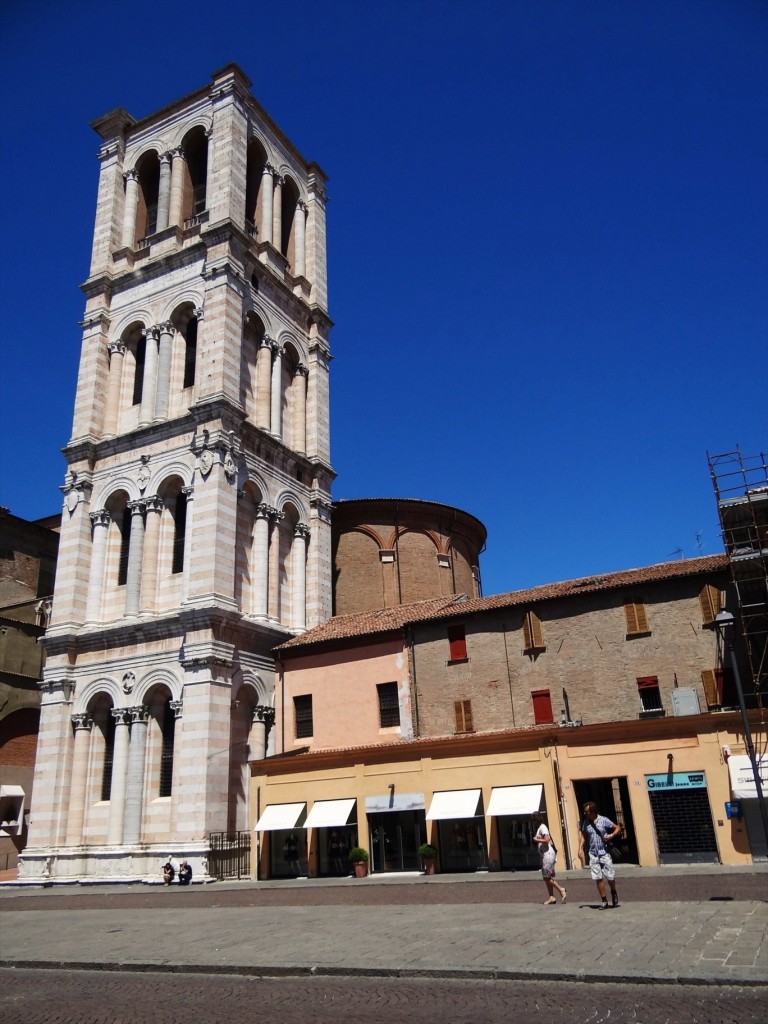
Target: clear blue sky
(548, 251)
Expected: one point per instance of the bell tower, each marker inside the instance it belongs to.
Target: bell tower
(196, 519)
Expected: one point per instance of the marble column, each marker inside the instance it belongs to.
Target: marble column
(119, 777)
(273, 590)
(263, 719)
(79, 780)
(164, 364)
(299, 243)
(261, 561)
(134, 788)
(116, 351)
(189, 493)
(276, 415)
(93, 608)
(135, 558)
(177, 187)
(164, 192)
(299, 576)
(149, 386)
(129, 210)
(299, 440)
(277, 213)
(267, 197)
(154, 514)
(264, 382)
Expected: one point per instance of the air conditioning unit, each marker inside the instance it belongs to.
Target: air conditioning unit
(685, 701)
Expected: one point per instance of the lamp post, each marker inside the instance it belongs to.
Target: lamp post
(723, 622)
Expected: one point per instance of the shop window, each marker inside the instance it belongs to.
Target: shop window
(302, 709)
(389, 705)
(532, 632)
(457, 642)
(710, 600)
(650, 695)
(542, 707)
(637, 621)
(462, 713)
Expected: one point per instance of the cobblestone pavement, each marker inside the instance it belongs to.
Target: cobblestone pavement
(441, 927)
(77, 997)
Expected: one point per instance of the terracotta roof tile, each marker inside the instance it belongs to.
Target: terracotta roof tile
(388, 620)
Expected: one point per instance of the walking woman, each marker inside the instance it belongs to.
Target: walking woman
(548, 856)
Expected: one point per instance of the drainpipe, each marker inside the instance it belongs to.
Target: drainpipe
(414, 688)
(561, 809)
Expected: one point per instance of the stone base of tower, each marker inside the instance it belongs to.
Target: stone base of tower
(109, 865)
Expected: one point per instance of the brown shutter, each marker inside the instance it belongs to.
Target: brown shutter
(462, 713)
(542, 707)
(709, 680)
(709, 598)
(637, 621)
(532, 632)
(457, 643)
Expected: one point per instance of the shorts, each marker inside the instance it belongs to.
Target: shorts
(601, 867)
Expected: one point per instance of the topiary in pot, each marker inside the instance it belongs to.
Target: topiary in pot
(359, 858)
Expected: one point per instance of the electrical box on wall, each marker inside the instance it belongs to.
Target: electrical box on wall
(685, 701)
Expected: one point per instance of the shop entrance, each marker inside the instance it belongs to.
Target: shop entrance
(612, 799)
(395, 837)
(682, 818)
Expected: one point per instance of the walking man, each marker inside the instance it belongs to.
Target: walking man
(597, 832)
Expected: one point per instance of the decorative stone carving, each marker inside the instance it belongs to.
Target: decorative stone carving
(206, 461)
(129, 681)
(177, 706)
(139, 713)
(82, 721)
(262, 713)
(230, 469)
(143, 475)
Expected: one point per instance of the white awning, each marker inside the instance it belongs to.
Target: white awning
(454, 803)
(280, 816)
(330, 813)
(743, 778)
(514, 800)
(11, 810)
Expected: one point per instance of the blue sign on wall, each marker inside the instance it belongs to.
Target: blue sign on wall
(676, 780)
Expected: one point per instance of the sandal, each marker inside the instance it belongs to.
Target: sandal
(564, 896)
(549, 901)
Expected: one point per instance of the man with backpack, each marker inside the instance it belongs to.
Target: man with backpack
(597, 834)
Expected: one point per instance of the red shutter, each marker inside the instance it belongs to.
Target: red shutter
(458, 643)
(542, 707)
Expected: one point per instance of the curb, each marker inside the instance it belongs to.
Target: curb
(317, 971)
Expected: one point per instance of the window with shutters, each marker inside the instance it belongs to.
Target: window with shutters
(302, 709)
(462, 713)
(533, 635)
(542, 707)
(719, 688)
(389, 705)
(711, 603)
(637, 621)
(457, 643)
(650, 695)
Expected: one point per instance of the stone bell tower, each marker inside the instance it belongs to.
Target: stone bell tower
(196, 518)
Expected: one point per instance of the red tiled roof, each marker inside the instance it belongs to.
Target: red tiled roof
(387, 620)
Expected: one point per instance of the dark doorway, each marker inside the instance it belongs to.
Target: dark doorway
(395, 839)
(612, 799)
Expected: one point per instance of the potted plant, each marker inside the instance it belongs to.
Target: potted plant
(428, 854)
(359, 858)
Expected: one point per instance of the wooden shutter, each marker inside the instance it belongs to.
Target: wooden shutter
(542, 707)
(462, 713)
(458, 643)
(711, 689)
(532, 632)
(709, 598)
(637, 621)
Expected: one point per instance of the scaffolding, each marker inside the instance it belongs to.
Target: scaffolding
(741, 490)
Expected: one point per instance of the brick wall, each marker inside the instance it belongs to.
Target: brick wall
(587, 653)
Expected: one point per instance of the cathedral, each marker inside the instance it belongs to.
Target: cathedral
(196, 514)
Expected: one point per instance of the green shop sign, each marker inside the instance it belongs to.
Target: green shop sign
(676, 780)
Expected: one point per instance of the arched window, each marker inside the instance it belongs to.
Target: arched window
(190, 353)
(148, 169)
(253, 333)
(179, 513)
(105, 723)
(140, 357)
(168, 733)
(124, 525)
(195, 147)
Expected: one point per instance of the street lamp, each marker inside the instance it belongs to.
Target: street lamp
(723, 621)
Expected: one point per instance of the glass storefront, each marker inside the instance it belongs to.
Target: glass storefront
(333, 846)
(518, 850)
(463, 846)
(287, 853)
(395, 837)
